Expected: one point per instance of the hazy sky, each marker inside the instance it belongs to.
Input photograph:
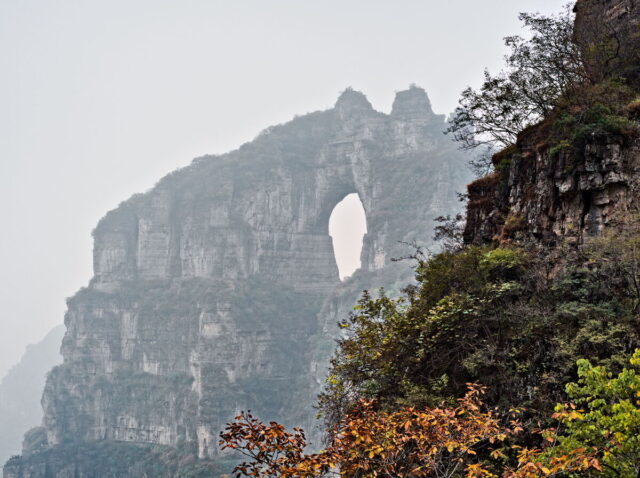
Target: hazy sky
(347, 226)
(99, 99)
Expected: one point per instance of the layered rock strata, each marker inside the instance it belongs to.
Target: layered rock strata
(542, 192)
(543, 196)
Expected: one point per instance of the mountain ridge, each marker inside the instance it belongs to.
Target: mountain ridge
(217, 290)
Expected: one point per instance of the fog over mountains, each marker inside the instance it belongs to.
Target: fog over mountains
(21, 390)
(101, 99)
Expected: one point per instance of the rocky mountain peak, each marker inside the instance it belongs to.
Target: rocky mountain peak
(413, 103)
(353, 104)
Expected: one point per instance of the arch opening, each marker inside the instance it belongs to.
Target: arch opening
(347, 227)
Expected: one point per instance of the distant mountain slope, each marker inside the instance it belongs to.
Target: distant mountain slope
(21, 390)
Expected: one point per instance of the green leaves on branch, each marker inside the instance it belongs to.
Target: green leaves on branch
(539, 70)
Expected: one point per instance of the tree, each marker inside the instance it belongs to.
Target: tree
(272, 451)
(607, 421)
(539, 70)
(598, 434)
(599, 430)
(368, 442)
(450, 232)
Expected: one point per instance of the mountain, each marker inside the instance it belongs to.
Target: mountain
(21, 389)
(218, 290)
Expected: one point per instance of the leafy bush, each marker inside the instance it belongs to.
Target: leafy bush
(598, 435)
(515, 320)
(598, 432)
(409, 442)
(503, 262)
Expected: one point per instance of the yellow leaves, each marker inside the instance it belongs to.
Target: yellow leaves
(536, 463)
(595, 463)
(370, 442)
(568, 412)
(476, 470)
(498, 454)
(574, 415)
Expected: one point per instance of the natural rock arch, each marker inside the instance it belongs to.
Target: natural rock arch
(218, 289)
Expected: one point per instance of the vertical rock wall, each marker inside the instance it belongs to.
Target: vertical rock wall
(217, 290)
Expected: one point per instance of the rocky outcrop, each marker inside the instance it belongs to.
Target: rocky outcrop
(218, 291)
(571, 185)
(545, 196)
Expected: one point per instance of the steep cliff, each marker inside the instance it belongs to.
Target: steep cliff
(574, 174)
(545, 195)
(609, 32)
(218, 291)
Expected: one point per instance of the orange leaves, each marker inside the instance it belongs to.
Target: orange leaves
(370, 442)
(537, 463)
(272, 450)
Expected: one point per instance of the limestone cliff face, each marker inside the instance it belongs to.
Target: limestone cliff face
(541, 194)
(547, 196)
(217, 290)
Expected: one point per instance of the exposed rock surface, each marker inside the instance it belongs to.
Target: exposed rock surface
(545, 195)
(609, 33)
(218, 291)
(21, 390)
(548, 196)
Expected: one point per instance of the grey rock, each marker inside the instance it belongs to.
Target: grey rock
(218, 291)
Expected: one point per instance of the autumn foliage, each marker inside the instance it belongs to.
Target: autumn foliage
(463, 441)
(408, 442)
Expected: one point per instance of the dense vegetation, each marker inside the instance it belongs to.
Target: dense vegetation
(501, 316)
(597, 435)
(515, 318)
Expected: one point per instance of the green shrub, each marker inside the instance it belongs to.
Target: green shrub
(513, 319)
(594, 110)
(513, 223)
(502, 263)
